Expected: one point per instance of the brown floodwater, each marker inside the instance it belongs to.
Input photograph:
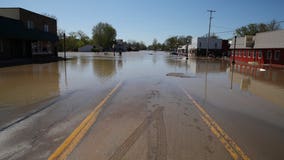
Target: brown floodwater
(29, 84)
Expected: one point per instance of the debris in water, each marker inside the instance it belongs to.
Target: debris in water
(181, 75)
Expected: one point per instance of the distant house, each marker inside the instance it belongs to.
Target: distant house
(86, 48)
(266, 48)
(121, 46)
(25, 34)
(217, 47)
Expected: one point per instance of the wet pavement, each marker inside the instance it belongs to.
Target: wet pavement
(150, 116)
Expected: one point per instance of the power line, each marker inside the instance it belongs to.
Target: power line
(222, 27)
(224, 32)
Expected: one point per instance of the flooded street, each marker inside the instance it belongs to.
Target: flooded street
(165, 107)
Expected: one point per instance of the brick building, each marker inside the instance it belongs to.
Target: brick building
(25, 34)
(266, 48)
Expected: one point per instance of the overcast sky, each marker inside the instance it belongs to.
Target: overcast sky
(144, 20)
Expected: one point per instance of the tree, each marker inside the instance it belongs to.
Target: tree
(155, 44)
(254, 28)
(135, 46)
(60, 34)
(273, 25)
(83, 38)
(172, 43)
(73, 40)
(104, 35)
(184, 40)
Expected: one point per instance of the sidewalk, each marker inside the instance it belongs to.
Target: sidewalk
(24, 61)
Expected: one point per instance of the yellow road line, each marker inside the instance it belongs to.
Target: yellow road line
(233, 149)
(75, 137)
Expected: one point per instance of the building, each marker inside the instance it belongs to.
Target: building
(266, 48)
(217, 47)
(86, 48)
(121, 46)
(25, 34)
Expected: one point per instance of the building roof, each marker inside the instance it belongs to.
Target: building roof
(14, 29)
(17, 11)
(245, 42)
(273, 39)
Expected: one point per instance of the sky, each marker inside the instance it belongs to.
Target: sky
(144, 20)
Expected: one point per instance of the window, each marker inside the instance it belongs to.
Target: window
(30, 24)
(45, 28)
(199, 44)
(268, 55)
(277, 55)
(249, 54)
(259, 54)
(245, 53)
(254, 54)
(215, 45)
(1, 46)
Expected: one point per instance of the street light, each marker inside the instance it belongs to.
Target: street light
(186, 50)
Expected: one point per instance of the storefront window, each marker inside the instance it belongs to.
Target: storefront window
(277, 55)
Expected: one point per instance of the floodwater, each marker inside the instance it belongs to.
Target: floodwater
(254, 104)
(28, 84)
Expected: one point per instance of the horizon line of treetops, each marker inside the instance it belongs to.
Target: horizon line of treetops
(104, 38)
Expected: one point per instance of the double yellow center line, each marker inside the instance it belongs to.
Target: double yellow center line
(75, 137)
(233, 149)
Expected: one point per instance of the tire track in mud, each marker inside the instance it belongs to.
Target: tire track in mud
(161, 150)
(161, 138)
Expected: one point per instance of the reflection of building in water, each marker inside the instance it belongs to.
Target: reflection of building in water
(214, 66)
(245, 82)
(104, 68)
(199, 65)
(120, 63)
(266, 84)
(26, 85)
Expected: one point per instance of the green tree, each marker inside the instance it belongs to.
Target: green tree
(104, 35)
(72, 43)
(254, 28)
(84, 39)
(60, 34)
(172, 43)
(135, 46)
(183, 40)
(155, 44)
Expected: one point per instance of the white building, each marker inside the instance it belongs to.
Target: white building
(199, 45)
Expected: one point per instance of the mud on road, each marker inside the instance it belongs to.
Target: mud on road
(156, 122)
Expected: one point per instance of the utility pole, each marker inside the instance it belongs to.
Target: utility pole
(208, 37)
(64, 46)
(233, 62)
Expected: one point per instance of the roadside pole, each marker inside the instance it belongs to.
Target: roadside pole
(233, 62)
(64, 46)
